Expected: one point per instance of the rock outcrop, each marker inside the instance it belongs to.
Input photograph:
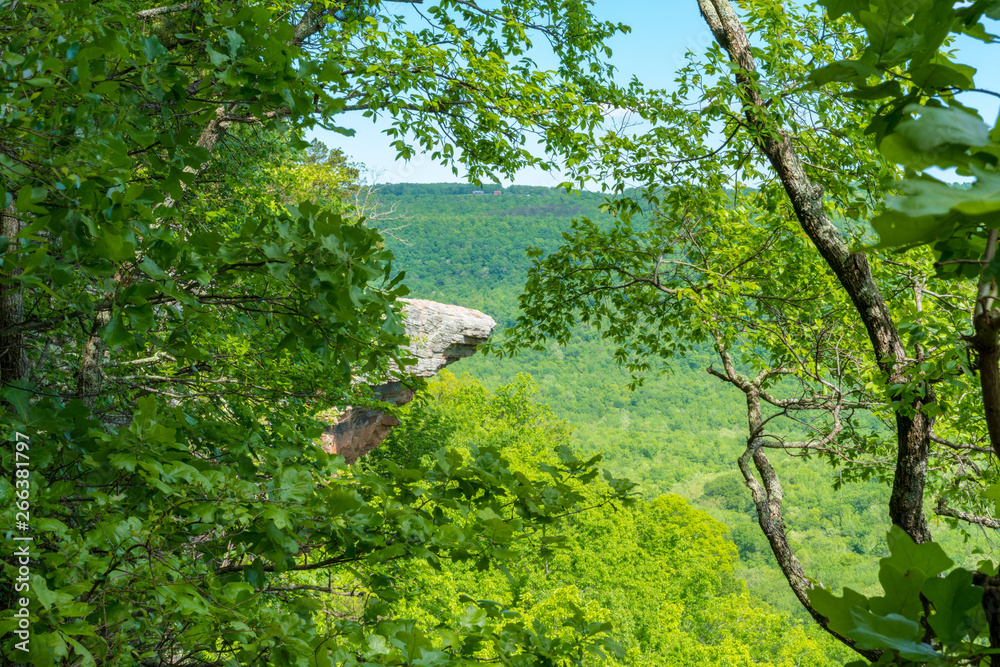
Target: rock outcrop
(439, 334)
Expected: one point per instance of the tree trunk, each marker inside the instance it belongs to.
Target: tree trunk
(989, 379)
(91, 378)
(851, 269)
(13, 357)
(991, 605)
(768, 495)
(986, 324)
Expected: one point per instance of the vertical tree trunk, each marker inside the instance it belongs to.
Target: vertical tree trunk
(91, 378)
(986, 324)
(851, 269)
(13, 357)
(989, 378)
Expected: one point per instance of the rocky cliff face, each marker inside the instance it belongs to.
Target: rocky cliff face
(439, 335)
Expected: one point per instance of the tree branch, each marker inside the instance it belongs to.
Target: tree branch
(160, 11)
(851, 269)
(942, 509)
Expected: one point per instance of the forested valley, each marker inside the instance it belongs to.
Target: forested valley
(742, 406)
(680, 432)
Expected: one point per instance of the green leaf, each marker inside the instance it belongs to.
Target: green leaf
(924, 141)
(235, 41)
(18, 395)
(906, 555)
(936, 76)
(992, 492)
(878, 92)
(152, 48)
(48, 598)
(838, 609)
(150, 268)
(897, 229)
(216, 57)
(378, 645)
(954, 599)
(928, 196)
(28, 196)
(848, 71)
(255, 574)
(902, 591)
(892, 632)
(837, 8)
(132, 192)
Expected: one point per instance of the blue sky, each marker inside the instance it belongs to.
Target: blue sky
(662, 32)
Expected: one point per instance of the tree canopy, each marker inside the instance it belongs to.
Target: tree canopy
(185, 285)
(657, 571)
(184, 288)
(756, 185)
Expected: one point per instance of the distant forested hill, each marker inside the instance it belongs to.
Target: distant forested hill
(681, 432)
(471, 247)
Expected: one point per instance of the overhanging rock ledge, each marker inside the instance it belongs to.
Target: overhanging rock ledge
(439, 334)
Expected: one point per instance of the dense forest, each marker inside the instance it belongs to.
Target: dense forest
(743, 406)
(679, 432)
(639, 567)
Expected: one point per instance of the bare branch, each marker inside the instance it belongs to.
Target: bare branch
(942, 509)
(321, 589)
(172, 9)
(959, 447)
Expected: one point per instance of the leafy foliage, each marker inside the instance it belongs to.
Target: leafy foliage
(676, 433)
(658, 573)
(917, 605)
(753, 187)
(183, 289)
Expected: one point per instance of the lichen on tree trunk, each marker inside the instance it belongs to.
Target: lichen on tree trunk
(90, 379)
(13, 356)
(913, 427)
(851, 269)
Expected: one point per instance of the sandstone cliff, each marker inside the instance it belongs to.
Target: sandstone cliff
(439, 335)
